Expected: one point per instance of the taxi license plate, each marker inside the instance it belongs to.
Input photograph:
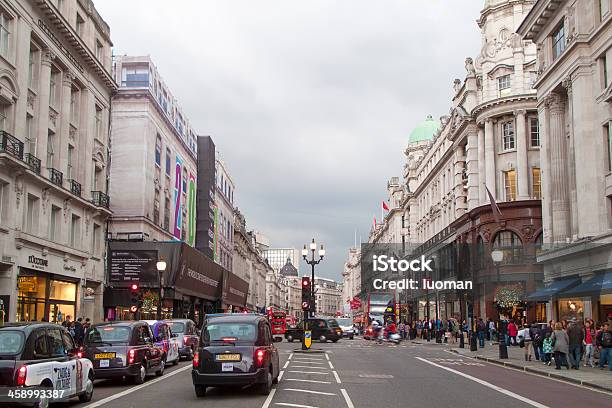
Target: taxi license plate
(104, 363)
(228, 357)
(104, 355)
(227, 367)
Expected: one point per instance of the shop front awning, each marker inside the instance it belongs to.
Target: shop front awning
(544, 294)
(600, 284)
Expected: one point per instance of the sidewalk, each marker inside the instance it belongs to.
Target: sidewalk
(587, 376)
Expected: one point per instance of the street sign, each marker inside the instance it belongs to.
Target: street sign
(307, 338)
(305, 306)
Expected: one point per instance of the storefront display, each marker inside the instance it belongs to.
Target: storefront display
(44, 297)
(571, 309)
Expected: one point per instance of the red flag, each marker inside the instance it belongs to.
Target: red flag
(374, 221)
(494, 207)
(385, 206)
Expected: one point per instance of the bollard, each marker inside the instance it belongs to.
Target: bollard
(503, 350)
(461, 341)
(473, 343)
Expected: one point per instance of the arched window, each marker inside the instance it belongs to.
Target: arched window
(511, 245)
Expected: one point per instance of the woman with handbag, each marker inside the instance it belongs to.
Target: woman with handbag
(560, 346)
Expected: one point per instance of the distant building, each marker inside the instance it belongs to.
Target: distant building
(224, 216)
(351, 276)
(277, 257)
(328, 294)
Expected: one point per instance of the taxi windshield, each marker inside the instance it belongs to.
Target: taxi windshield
(345, 321)
(332, 323)
(177, 327)
(11, 342)
(108, 334)
(229, 332)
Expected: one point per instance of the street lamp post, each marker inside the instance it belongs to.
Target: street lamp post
(498, 256)
(312, 262)
(161, 267)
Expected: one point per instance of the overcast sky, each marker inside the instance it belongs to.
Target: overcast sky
(309, 102)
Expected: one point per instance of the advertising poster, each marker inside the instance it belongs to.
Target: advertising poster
(178, 215)
(191, 210)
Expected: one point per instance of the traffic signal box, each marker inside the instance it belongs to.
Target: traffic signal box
(136, 298)
(306, 294)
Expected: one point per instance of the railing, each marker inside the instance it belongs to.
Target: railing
(75, 187)
(33, 162)
(11, 145)
(56, 177)
(100, 199)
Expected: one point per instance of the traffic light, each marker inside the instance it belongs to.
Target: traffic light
(135, 297)
(306, 294)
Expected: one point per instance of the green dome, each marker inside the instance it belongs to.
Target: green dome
(425, 130)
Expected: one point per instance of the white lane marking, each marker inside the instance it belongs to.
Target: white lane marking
(138, 387)
(280, 375)
(286, 404)
(327, 356)
(331, 365)
(307, 361)
(290, 356)
(308, 391)
(268, 400)
(309, 381)
(349, 403)
(307, 372)
(337, 378)
(487, 384)
(301, 366)
(286, 364)
(309, 358)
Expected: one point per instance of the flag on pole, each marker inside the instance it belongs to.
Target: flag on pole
(494, 207)
(374, 222)
(385, 206)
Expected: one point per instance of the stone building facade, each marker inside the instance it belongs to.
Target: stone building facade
(574, 90)
(328, 295)
(224, 215)
(55, 95)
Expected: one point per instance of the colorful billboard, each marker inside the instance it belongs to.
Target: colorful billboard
(178, 214)
(191, 210)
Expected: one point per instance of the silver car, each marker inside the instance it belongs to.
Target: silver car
(346, 324)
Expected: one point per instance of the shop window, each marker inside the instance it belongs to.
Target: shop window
(60, 290)
(571, 309)
(511, 245)
(540, 310)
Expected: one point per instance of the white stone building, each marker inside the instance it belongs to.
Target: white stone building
(351, 276)
(153, 173)
(224, 223)
(328, 295)
(55, 95)
(574, 90)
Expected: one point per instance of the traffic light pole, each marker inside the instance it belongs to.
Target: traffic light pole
(312, 305)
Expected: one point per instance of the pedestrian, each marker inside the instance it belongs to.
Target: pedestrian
(526, 342)
(547, 348)
(512, 332)
(560, 346)
(588, 342)
(79, 331)
(491, 330)
(480, 331)
(67, 323)
(536, 335)
(576, 337)
(419, 328)
(604, 343)
(402, 329)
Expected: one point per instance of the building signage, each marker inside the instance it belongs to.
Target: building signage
(191, 210)
(38, 263)
(205, 197)
(132, 266)
(198, 275)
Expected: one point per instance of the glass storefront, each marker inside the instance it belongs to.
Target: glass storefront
(605, 307)
(42, 297)
(571, 308)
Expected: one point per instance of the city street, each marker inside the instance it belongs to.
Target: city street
(360, 373)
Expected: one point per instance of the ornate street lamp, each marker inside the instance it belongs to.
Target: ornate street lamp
(312, 262)
(498, 257)
(161, 267)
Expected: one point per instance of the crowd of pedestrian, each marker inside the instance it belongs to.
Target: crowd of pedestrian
(78, 328)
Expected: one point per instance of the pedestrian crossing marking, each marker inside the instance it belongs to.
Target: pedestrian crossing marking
(308, 391)
(309, 381)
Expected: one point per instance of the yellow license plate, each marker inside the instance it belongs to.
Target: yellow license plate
(228, 357)
(101, 356)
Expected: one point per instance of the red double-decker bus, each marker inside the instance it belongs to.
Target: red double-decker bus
(278, 321)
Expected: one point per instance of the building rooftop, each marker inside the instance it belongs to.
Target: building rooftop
(425, 130)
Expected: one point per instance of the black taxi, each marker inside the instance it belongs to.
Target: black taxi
(43, 355)
(237, 349)
(123, 349)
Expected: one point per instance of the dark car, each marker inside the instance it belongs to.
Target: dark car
(123, 349)
(322, 329)
(236, 350)
(187, 336)
(44, 354)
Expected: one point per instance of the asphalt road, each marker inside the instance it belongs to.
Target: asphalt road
(359, 373)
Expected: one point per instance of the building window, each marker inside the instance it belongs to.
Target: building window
(54, 223)
(158, 150)
(30, 135)
(53, 87)
(604, 71)
(534, 132)
(69, 167)
(510, 244)
(75, 231)
(80, 25)
(136, 77)
(4, 201)
(604, 7)
(74, 105)
(95, 240)
(167, 214)
(168, 162)
(558, 41)
(98, 123)
(510, 185)
(503, 85)
(508, 135)
(99, 50)
(32, 74)
(50, 149)
(537, 183)
(156, 210)
(32, 213)
(608, 133)
(5, 33)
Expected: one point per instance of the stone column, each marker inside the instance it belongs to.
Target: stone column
(460, 193)
(482, 173)
(571, 160)
(558, 169)
(522, 166)
(44, 83)
(547, 223)
(22, 60)
(490, 157)
(64, 128)
(472, 170)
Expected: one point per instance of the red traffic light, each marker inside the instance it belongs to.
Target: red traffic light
(305, 281)
(134, 286)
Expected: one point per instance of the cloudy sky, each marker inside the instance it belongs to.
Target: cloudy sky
(310, 102)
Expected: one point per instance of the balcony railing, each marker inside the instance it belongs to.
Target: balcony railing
(75, 187)
(56, 177)
(100, 199)
(11, 145)
(33, 162)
